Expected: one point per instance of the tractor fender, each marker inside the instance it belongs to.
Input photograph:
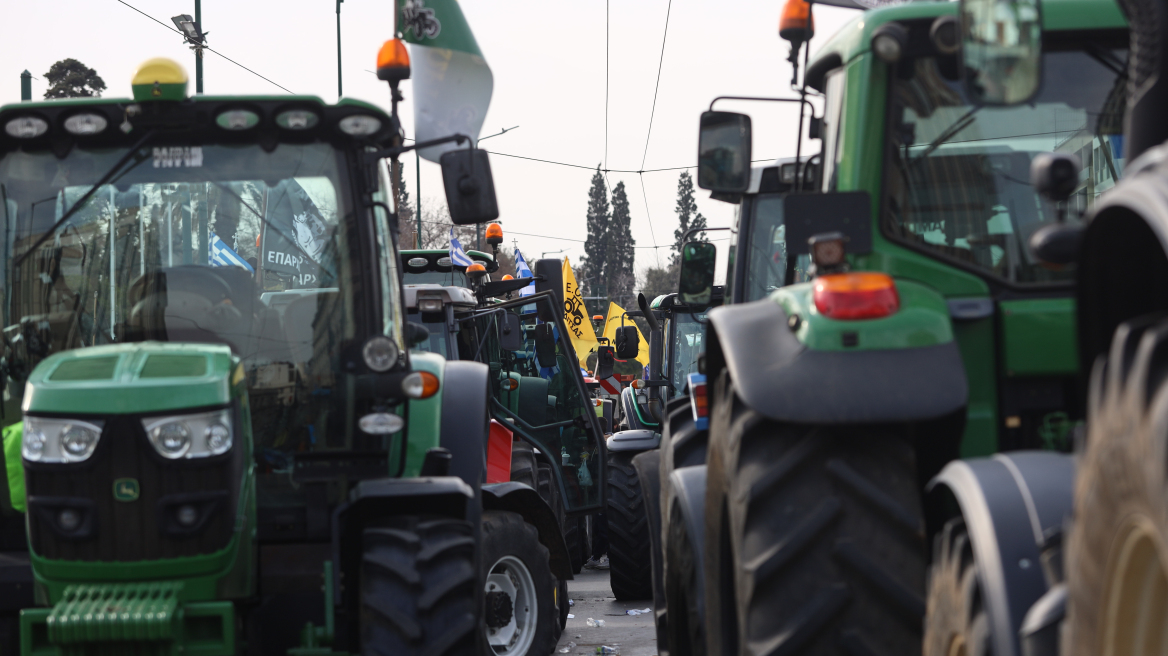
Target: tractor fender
(1129, 225)
(371, 500)
(1008, 501)
(779, 377)
(520, 498)
(687, 486)
(633, 440)
(465, 429)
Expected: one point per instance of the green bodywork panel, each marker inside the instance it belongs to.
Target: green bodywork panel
(975, 341)
(1039, 336)
(424, 425)
(14, 467)
(106, 380)
(922, 320)
(150, 616)
(132, 378)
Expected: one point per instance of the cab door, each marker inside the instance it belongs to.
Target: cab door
(538, 392)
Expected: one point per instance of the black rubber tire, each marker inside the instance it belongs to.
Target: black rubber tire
(630, 571)
(1121, 501)
(524, 465)
(648, 466)
(565, 606)
(814, 537)
(418, 582)
(684, 628)
(507, 534)
(572, 539)
(956, 622)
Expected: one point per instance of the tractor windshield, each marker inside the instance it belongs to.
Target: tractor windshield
(764, 247)
(957, 179)
(233, 245)
(687, 341)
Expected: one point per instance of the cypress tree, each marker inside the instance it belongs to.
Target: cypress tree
(596, 248)
(621, 275)
(688, 216)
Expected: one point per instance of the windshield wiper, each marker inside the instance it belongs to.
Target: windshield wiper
(948, 133)
(109, 175)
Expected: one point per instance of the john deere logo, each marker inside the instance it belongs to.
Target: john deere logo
(126, 489)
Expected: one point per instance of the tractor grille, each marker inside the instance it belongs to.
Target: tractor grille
(145, 528)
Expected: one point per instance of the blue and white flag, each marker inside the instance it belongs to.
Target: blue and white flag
(458, 257)
(222, 255)
(523, 271)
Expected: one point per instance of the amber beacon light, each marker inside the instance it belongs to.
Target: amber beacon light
(393, 61)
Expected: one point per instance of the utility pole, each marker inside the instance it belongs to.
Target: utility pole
(339, 88)
(199, 52)
(418, 194)
(25, 86)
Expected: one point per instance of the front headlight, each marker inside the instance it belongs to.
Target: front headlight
(59, 440)
(190, 436)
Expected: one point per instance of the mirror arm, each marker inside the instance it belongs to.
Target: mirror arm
(695, 231)
(417, 145)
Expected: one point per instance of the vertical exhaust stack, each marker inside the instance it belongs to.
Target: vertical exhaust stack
(1147, 86)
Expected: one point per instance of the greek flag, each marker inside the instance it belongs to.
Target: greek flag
(222, 255)
(458, 257)
(523, 271)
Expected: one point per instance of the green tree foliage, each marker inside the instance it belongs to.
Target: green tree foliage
(659, 280)
(688, 216)
(70, 78)
(620, 274)
(591, 274)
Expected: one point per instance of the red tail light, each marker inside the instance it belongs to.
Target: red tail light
(851, 296)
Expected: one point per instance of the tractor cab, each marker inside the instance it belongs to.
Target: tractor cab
(202, 326)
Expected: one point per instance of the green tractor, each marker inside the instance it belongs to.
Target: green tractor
(487, 321)
(1041, 553)
(433, 267)
(676, 338)
(884, 315)
(228, 448)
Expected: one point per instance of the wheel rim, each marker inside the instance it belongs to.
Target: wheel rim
(1136, 597)
(510, 576)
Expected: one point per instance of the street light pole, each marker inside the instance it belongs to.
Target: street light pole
(199, 53)
(339, 88)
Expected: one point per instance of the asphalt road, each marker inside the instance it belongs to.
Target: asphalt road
(592, 597)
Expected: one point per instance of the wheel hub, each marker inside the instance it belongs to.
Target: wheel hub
(499, 609)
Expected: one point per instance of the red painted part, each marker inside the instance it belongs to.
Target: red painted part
(626, 378)
(499, 453)
(610, 385)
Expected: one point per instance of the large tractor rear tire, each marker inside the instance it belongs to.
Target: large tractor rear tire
(630, 568)
(417, 588)
(1117, 549)
(521, 617)
(579, 541)
(685, 626)
(814, 537)
(957, 622)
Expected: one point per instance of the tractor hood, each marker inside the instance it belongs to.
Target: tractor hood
(133, 378)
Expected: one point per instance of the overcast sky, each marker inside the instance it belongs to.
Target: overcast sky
(548, 61)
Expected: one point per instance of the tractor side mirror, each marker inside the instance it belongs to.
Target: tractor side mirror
(605, 362)
(1055, 175)
(1057, 244)
(510, 332)
(549, 276)
(724, 152)
(696, 287)
(470, 189)
(1001, 50)
(627, 342)
(545, 345)
(416, 333)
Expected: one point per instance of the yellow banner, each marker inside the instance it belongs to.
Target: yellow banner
(576, 318)
(614, 321)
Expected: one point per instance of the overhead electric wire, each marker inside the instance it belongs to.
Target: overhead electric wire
(208, 48)
(657, 85)
(603, 170)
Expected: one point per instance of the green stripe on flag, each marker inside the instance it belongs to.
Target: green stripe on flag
(436, 24)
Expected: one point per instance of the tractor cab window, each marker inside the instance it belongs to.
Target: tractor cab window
(957, 181)
(231, 245)
(537, 392)
(764, 247)
(687, 341)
